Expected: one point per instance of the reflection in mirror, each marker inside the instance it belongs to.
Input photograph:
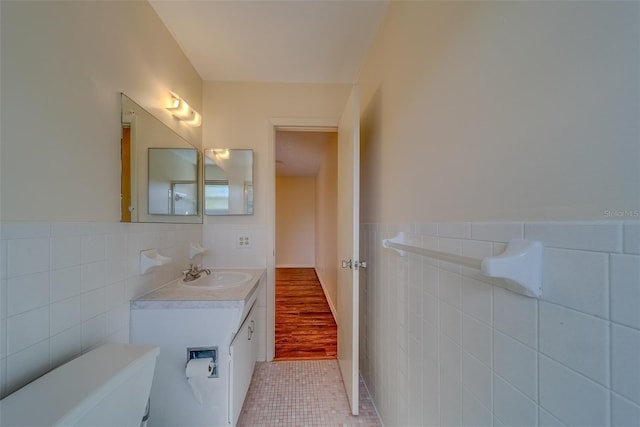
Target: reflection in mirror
(173, 181)
(160, 170)
(228, 181)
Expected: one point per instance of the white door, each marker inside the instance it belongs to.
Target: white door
(348, 245)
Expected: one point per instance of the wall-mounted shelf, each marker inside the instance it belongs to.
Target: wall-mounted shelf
(520, 264)
(150, 258)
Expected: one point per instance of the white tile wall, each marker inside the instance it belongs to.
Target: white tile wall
(493, 357)
(65, 288)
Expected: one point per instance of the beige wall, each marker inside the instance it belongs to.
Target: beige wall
(239, 115)
(326, 222)
(501, 111)
(64, 65)
(295, 221)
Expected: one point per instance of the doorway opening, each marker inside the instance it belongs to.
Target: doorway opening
(306, 244)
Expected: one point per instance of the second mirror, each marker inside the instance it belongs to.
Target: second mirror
(228, 181)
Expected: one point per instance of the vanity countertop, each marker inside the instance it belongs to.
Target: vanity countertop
(175, 294)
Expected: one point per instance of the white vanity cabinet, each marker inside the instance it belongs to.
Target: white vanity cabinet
(242, 352)
(176, 319)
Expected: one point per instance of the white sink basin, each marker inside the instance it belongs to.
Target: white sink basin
(219, 279)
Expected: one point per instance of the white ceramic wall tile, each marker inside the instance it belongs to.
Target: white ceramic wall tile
(430, 393)
(65, 283)
(93, 303)
(429, 278)
(115, 295)
(497, 232)
(460, 230)
(66, 251)
(625, 289)
(571, 383)
(24, 230)
(572, 398)
(603, 236)
(430, 242)
(474, 414)
(449, 245)
(516, 316)
(118, 319)
(4, 255)
(429, 229)
(94, 331)
(93, 248)
(477, 249)
(577, 340)
(415, 382)
(450, 288)
(27, 292)
(27, 329)
(450, 403)
(624, 413)
(61, 249)
(3, 338)
(476, 379)
(430, 346)
(450, 321)
(66, 345)
(65, 314)
(577, 279)
(27, 256)
(548, 420)
(625, 362)
(516, 363)
(430, 308)
(93, 275)
(450, 360)
(511, 407)
(27, 365)
(477, 299)
(476, 339)
(631, 237)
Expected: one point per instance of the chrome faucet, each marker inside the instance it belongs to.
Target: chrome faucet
(194, 272)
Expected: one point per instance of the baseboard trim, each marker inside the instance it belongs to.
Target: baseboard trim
(334, 312)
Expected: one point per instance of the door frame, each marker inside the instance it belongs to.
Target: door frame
(285, 124)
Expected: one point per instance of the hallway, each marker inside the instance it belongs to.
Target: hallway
(305, 327)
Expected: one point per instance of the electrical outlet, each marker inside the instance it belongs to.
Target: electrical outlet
(243, 241)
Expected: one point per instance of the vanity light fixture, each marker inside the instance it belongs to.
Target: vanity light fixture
(183, 111)
(221, 153)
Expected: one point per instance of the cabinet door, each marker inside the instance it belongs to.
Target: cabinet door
(243, 352)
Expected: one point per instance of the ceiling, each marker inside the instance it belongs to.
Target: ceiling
(299, 153)
(310, 41)
(295, 41)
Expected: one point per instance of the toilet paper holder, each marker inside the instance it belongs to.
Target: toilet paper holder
(205, 353)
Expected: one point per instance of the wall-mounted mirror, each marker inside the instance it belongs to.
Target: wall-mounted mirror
(228, 181)
(161, 170)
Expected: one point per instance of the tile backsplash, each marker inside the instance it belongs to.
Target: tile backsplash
(65, 288)
(443, 345)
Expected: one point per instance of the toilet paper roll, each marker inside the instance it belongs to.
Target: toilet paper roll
(199, 367)
(202, 387)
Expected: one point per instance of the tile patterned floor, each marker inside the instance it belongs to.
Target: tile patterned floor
(302, 393)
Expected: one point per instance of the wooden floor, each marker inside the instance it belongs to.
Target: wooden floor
(305, 327)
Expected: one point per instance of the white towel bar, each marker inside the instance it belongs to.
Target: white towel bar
(520, 264)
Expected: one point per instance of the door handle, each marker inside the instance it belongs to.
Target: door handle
(354, 264)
